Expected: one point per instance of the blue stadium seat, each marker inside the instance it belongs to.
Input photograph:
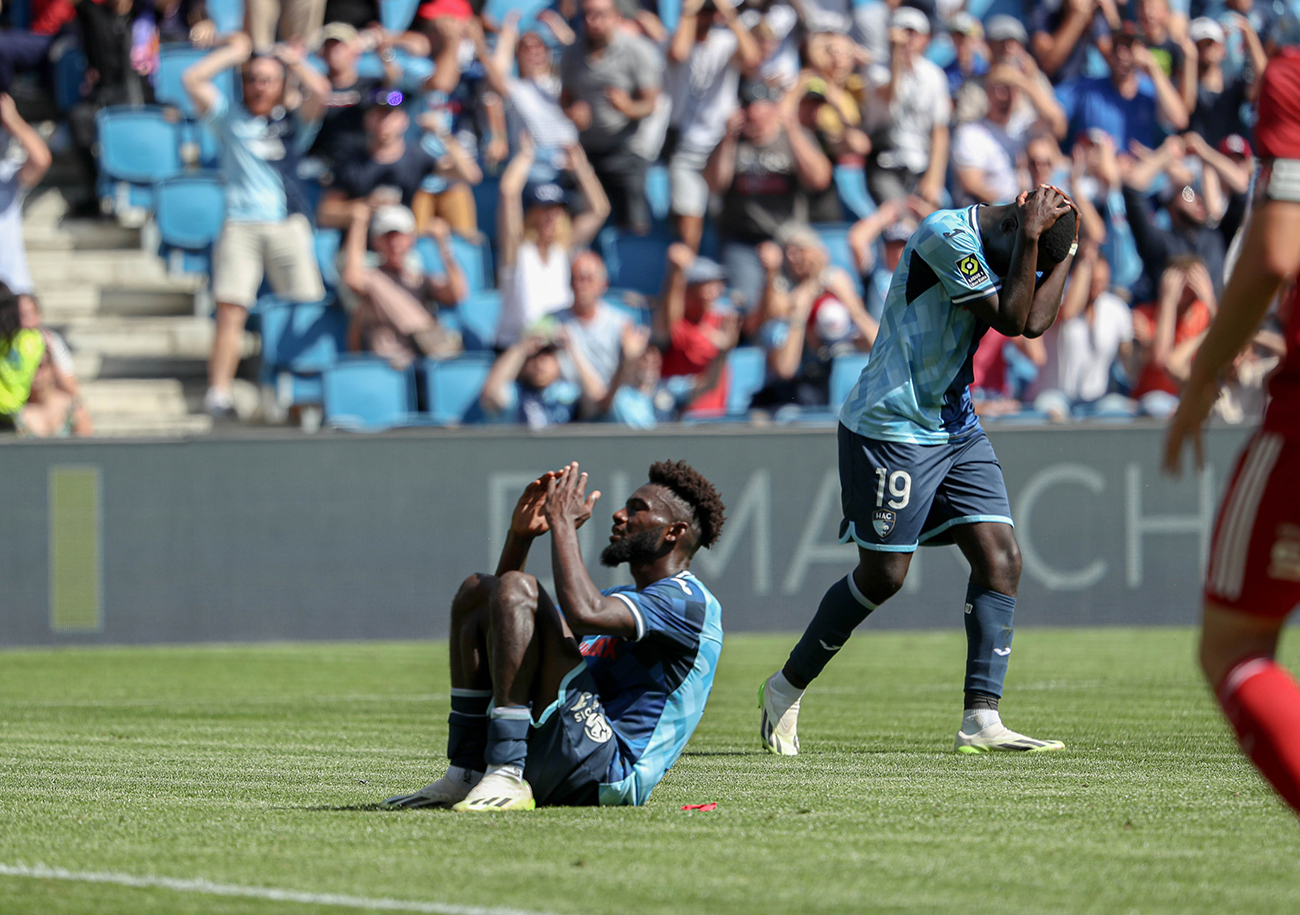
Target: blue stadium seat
(658, 192)
(138, 148)
(747, 366)
(634, 261)
(844, 375)
(452, 386)
(227, 15)
(835, 235)
(397, 15)
(478, 316)
(303, 338)
(189, 211)
(366, 394)
(851, 185)
(474, 258)
(173, 60)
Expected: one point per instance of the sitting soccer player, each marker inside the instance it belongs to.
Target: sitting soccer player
(590, 699)
(915, 466)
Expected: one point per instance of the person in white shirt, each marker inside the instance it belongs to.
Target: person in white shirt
(1093, 329)
(909, 111)
(986, 153)
(537, 236)
(18, 175)
(707, 54)
(533, 95)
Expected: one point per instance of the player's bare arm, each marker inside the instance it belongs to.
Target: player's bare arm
(1047, 298)
(1270, 254)
(527, 523)
(1033, 213)
(587, 611)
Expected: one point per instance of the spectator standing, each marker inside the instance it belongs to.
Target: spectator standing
(342, 134)
(1172, 48)
(1125, 104)
(1092, 331)
(391, 166)
(696, 332)
(18, 175)
(1035, 108)
(533, 95)
(1169, 331)
(538, 236)
(970, 60)
(909, 111)
(1220, 98)
(592, 328)
(611, 82)
(1064, 29)
(764, 168)
(706, 57)
(21, 352)
(396, 303)
(267, 229)
(299, 22)
(987, 154)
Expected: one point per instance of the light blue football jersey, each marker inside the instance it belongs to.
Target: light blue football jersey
(914, 388)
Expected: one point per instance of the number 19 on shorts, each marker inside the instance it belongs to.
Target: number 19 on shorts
(899, 484)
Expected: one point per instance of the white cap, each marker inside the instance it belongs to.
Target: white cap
(907, 17)
(832, 321)
(392, 218)
(1204, 27)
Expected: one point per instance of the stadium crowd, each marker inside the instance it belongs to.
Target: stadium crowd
(775, 158)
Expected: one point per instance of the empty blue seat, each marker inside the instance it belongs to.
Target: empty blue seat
(747, 366)
(851, 185)
(227, 15)
(173, 60)
(478, 316)
(452, 386)
(301, 337)
(845, 370)
(138, 148)
(189, 210)
(474, 258)
(368, 395)
(658, 192)
(397, 15)
(835, 235)
(634, 261)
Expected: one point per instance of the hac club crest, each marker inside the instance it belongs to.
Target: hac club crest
(883, 522)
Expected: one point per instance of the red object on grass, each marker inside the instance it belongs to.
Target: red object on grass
(704, 807)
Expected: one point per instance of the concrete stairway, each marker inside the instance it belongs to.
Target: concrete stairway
(140, 349)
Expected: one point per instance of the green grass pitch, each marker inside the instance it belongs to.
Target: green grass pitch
(259, 767)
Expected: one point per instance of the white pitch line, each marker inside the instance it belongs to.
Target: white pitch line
(41, 872)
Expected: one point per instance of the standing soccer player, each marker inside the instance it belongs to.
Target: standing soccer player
(1253, 582)
(915, 466)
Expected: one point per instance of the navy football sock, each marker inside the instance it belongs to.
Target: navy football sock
(507, 735)
(842, 609)
(988, 639)
(468, 728)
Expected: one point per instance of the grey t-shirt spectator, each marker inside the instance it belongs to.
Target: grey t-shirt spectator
(361, 177)
(764, 192)
(628, 63)
(600, 340)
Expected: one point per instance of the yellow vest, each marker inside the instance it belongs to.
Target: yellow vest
(18, 365)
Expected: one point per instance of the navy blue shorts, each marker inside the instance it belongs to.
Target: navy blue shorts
(571, 745)
(898, 496)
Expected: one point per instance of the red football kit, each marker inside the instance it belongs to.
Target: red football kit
(1255, 558)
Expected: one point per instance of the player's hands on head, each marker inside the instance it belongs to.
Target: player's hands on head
(1040, 208)
(567, 501)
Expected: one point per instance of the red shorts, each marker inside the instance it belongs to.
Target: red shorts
(1255, 556)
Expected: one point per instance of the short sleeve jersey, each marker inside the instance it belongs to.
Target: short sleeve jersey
(1277, 141)
(654, 685)
(914, 388)
(259, 156)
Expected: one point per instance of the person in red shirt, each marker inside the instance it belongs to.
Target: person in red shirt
(22, 50)
(1253, 578)
(696, 332)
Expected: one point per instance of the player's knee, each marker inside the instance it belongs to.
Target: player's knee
(472, 594)
(1001, 565)
(881, 583)
(516, 592)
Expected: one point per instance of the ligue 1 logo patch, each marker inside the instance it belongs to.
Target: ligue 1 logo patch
(972, 271)
(883, 522)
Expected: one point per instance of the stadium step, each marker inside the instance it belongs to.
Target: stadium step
(61, 303)
(150, 426)
(171, 337)
(159, 397)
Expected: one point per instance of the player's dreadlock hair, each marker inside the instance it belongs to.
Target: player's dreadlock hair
(1054, 244)
(705, 505)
